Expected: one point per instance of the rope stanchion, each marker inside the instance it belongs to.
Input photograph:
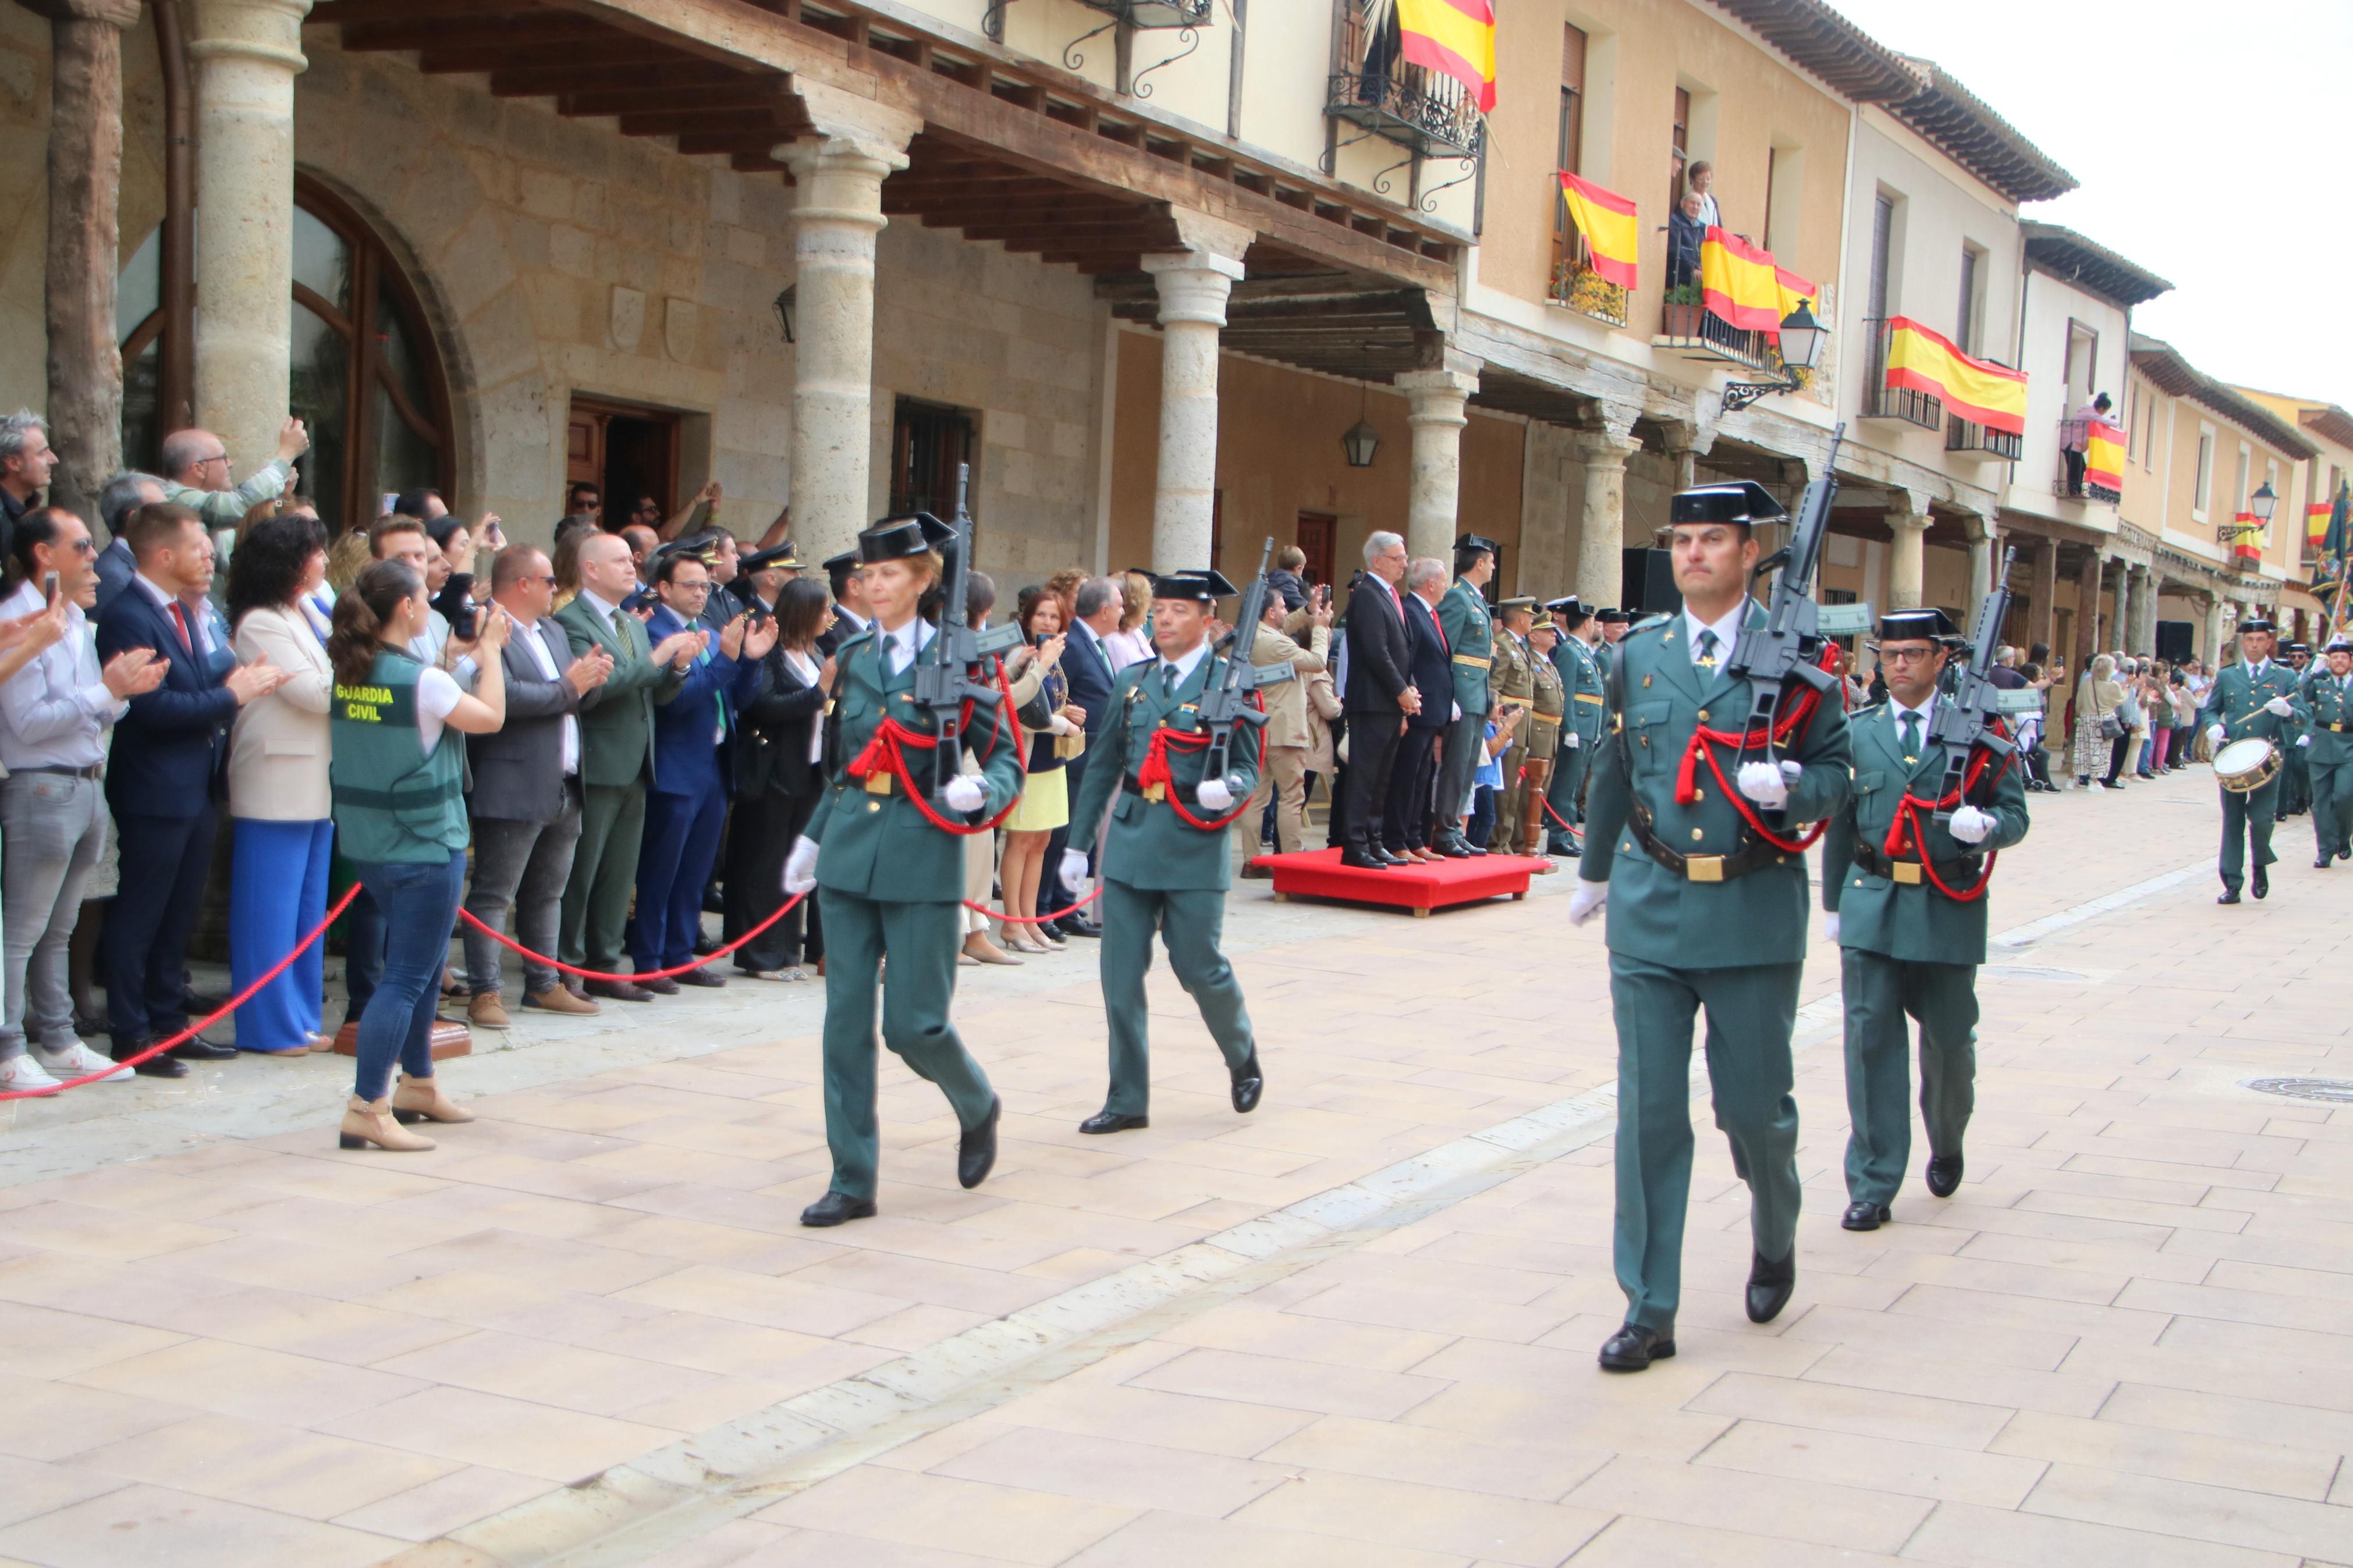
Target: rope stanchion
(201, 1025)
(1029, 919)
(674, 971)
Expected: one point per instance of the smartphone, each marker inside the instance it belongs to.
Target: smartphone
(467, 624)
(1043, 638)
(49, 587)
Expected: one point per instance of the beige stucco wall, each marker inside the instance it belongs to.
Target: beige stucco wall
(2051, 304)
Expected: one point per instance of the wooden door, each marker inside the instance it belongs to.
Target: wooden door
(584, 448)
(1316, 531)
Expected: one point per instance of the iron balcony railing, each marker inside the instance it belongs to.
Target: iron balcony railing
(1155, 13)
(1966, 436)
(1582, 289)
(1372, 87)
(1695, 332)
(1881, 401)
(2070, 483)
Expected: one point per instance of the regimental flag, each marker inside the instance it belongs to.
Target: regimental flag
(1606, 219)
(1739, 282)
(2338, 543)
(1919, 360)
(2103, 456)
(1453, 37)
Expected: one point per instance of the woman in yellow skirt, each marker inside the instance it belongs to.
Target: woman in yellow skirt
(1045, 803)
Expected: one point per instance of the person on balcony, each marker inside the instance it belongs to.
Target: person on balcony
(2079, 439)
(1686, 227)
(1701, 176)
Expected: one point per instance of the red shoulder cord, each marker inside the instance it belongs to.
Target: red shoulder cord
(1905, 832)
(885, 752)
(1156, 771)
(1704, 741)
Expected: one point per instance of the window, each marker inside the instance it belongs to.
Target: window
(2240, 489)
(1882, 243)
(1572, 134)
(1681, 141)
(2202, 491)
(1970, 319)
(1785, 180)
(927, 441)
(2083, 363)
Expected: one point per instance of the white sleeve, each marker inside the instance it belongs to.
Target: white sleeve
(438, 692)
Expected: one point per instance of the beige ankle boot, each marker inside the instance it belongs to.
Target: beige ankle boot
(421, 1100)
(367, 1122)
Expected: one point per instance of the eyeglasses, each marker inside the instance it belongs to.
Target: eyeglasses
(84, 547)
(691, 587)
(545, 582)
(1906, 655)
(215, 458)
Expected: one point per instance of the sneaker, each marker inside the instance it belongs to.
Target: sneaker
(485, 1011)
(78, 1060)
(20, 1074)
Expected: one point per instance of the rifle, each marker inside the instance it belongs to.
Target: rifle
(1788, 643)
(1222, 708)
(1964, 720)
(943, 681)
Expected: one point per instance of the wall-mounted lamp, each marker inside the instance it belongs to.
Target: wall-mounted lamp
(1802, 338)
(786, 303)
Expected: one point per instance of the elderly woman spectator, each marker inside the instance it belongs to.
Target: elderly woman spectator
(2100, 733)
(1130, 643)
(278, 793)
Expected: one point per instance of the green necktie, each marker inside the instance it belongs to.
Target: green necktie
(1707, 641)
(1911, 736)
(1167, 680)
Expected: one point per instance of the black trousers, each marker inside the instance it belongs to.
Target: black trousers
(165, 860)
(759, 839)
(1372, 751)
(1336, 821)
(1412, 778)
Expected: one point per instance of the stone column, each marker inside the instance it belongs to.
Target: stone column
(1985, 554)
(1602, 536)
(2087, 615)
(1434, 399)
(2042, 609)
(247, 54)
(85, 368)
(1908, 561)
(2211, 649)
(1194, 284)
(837, 175)
(2140, 612)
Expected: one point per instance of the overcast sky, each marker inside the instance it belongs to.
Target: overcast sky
(2211, 142)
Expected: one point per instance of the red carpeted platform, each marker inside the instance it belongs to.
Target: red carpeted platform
(1318, 874)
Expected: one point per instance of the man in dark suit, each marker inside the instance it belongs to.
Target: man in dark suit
(1406, 831)
(164, 775)
(525, 800)
(851, 616)
(1379, 695)
(1086, 665)
(125, 493)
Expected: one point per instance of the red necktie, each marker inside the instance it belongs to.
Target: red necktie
(180, 619)
(1440, 627)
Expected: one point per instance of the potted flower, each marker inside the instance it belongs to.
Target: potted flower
(1685, 306)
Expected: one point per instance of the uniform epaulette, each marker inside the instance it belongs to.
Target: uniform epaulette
(865, 635)
(1648, 622)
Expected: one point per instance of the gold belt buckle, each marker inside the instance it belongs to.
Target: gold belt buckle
(878, 783)
(1155, 792)
(1704, 868)
(1907, 872)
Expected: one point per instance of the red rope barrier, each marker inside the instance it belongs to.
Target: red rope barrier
(201, 1025)
(513, 946)
(1029, 919)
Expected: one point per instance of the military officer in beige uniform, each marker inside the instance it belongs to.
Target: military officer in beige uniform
(1512, 678)
(1542, 732)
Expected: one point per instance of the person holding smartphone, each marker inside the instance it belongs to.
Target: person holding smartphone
(1045, 803)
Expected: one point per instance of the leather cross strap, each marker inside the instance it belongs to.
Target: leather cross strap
(1755, 855)
(1871, 862)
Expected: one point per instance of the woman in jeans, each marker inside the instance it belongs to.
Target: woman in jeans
(400, 812)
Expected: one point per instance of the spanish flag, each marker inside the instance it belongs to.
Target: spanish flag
(2316, 522)
(1919, 360)
(1453, 37)
(2103, 456)
(1739, 282)
(1794, 291)
(1606, 219)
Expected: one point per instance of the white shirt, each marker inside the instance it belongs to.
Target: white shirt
(1183, 667)
(1710, 214)
(1895, 711)
(605, 612)
(527, 632)
(808, 670)
(900, 648)
(437, 693)
(1727, 631)
(55, 712)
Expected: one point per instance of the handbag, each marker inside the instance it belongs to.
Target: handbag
(2112, 726)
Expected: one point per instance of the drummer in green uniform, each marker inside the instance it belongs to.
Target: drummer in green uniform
(1514, 680)
(1164, 862)
(885, 851)
(1706, 899)
(2296, 780)
(1470, 641)
(1580, 731)
(2327, 747)
(2253, 699)
(1906, 900)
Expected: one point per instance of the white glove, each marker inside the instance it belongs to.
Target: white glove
(1569, 738)
(1588, 899)
(1763, 783)
(1215, 795)
(800, 867)
(1830, 926)
(1074, 869)
(1969, 825)
(2215, 733)
(2304, 740)
(1061, 726)
(2281, 706)
(964, 793)
(1793, 771)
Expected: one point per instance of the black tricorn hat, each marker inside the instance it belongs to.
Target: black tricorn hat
(897, 538)
(1478, 542)
(1742, 502)
(1569, 611)
(2258, 624)
(847, 561)
(1916, 625)
(1615, 617)
(1206, 587)
(776, 555)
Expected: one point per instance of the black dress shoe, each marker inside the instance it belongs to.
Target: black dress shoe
(1633, 1348)
(1079, 925)
(976, 1149)
(1365, 862)
(1864, 1216)
(158, 1066)
(1112, 1122)
(1770, 1285)
(835, 1208)
(2322, 864)
(1454, 848)
(617, 991)
(658, 986)
(2229, 896)
(200, 1049)
(1248, 1084)
(1558, 844)
(702, 977)
(1944, 1174)
(2260, 884)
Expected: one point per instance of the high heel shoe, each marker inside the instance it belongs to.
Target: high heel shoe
(980, 950)
(370, 1121)
(421, 1100)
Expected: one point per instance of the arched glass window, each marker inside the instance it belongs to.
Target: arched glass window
(364, 377)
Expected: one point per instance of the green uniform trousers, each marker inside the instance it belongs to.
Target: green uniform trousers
(1189, 922)
(2332, 807)
(2296, 780)
(1881, 995)
(1564, 792)
(922, 940)
(2247, 819)
(1751, 1010)
(596, 907)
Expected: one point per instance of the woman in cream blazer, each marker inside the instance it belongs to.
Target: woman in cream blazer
(278, 794)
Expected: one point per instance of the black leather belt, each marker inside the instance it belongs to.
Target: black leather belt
(95, 770)
(1755, 856)
(1155, 792)
(2333, 728)
(1871, 863)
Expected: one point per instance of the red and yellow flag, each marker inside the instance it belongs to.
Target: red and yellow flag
(1919, 360)
(1739, 282)
(1793, 290)
(2316, 522)
(1606, 219)
(1453, 37)
(2104, 455)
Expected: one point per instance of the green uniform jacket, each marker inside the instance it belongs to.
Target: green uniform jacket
(881, 846)
(2325, 698)
(1581, 682)
(616, 719)
(2237, 698)
(1655, 914)
(1470, 636)
(1544, 715)
(1907, 921)
(1513, 675)
(1150, 846)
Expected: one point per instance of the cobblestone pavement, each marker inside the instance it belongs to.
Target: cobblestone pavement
(1356, 1327)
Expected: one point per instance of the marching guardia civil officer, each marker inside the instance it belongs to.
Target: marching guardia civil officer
(2327, 749)
(1580, 731)
(1702, 912)
(1907, 908)
(1470, 635)
(1160, 871)
(2256, 698)
(889, 879)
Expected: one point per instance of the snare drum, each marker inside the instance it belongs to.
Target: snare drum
(2248, 764)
